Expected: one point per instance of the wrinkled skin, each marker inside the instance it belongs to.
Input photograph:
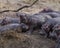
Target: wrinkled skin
(56, 31)
(14, 27)
(8, 20)
(53, 14)
(57, 28)
(50, 12)
(47, 26)
(34, 21)
(46, 10)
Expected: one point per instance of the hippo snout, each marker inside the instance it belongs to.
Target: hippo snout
(24, 27)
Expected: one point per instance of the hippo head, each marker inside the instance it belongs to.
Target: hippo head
(23, 17)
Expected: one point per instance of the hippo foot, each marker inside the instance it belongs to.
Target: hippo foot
(29, 32)
(53, 35)
(42, 33)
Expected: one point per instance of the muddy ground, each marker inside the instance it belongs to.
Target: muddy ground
(22, 40)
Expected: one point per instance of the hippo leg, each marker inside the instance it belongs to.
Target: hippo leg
(43, 33)
(30, 31)
(53, 35)
(58, 44)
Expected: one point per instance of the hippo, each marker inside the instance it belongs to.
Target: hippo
(50, 12)
(34, 21)
(58, 42)
(56, 31)
(47, 27)
(8, 20)
(24, 27)
(56, 27)
(46, 10)
(13, 27)
(53, 14)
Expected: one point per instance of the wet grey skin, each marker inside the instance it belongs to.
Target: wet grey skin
(34, 21)
(46, 10)
(8, 20)
(9, 27)
(24, 27)
(47, 26)
(56, 31)
(50, 12)
(56, 28)
(14, 27)
(50, 24)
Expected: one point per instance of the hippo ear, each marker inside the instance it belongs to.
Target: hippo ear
(23, 18)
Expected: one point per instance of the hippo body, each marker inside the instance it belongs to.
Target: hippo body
(49, 24)
(34, 21)
(13, 27)
(53, 14)
(50, 12)
(9, 20)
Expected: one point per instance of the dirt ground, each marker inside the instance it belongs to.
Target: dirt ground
(22, 40)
